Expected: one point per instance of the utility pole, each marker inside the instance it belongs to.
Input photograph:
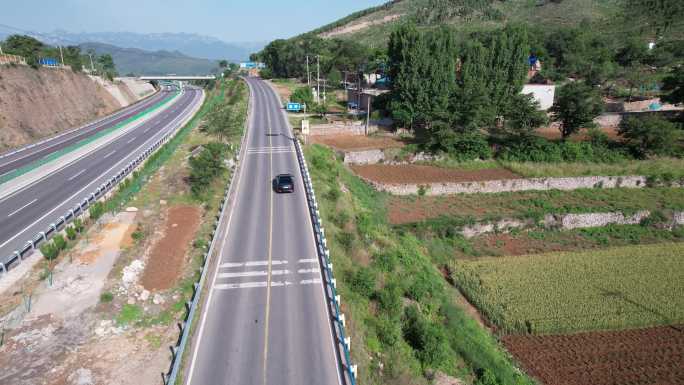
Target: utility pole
(308, 74)
(325, 82)
(61, 55)
(368, 114)
(318, 79)
(1, 50)
(92, 67)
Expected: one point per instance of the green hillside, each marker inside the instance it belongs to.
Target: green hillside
(368, 26)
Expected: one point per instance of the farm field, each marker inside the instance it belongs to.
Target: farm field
(358, 142)
(545, 241)
(531, 204)
(635, 357)
(417, 174)
(616, 288)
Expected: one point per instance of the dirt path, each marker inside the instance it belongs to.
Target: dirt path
(168, 254)
(358, 142)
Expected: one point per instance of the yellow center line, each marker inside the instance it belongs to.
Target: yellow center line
(270, 245)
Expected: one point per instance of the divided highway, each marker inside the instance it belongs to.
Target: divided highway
(266, 320)
(28, 154)
(31, 209)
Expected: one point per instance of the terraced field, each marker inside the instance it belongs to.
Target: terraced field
(616, 288)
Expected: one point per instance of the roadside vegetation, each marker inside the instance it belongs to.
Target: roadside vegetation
(405, 318)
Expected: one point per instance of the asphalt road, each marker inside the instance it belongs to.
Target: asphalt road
(12, 160)
(31, 209)
(266, 320)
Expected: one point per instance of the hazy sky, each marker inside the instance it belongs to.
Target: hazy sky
(249, 20)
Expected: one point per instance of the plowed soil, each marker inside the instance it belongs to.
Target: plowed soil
(168, 254)
(358, 142)
(653, 356)
(418, 174)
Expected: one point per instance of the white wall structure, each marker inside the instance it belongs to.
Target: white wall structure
(542, 93)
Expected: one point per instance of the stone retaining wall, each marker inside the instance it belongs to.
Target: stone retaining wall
(380, 156)
(563, 222)
(512, 185)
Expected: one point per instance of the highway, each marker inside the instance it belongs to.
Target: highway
(31, 209)
(23, 156)
(266, 320)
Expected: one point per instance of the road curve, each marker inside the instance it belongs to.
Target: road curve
(23, 156)
(31, 209)
(266, 320)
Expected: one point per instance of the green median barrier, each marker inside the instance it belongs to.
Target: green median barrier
(55, 155)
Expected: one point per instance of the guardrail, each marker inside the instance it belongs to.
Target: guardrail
(324, 254)
(185, 325)
(81, 207)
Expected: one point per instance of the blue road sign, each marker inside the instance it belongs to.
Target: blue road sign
(294, 106)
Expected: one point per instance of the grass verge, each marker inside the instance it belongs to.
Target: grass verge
(404, 318)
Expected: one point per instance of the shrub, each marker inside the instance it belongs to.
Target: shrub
(363, 282)
(96, 210)
(346, 240)
(302, 95)
(60, 242)
(388, 331)
(49, 250)
(463, 146)
(205, 167)
(650, 135)
(389, 300)
(71, 233)
(78, 225)
(106, 297)
(426, 338)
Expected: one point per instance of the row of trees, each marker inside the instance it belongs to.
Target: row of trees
(444, 90)
(33, 50)
(287, 58)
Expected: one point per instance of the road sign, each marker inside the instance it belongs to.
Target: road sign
(294, 107)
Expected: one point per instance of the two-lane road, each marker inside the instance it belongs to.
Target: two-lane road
(266, 319)
(31, 209)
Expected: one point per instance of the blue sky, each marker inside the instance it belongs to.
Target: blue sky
(248, 20)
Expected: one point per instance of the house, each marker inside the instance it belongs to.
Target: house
(542, 93)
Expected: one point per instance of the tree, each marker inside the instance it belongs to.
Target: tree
(205, 167)
(223, 63)
(634, 52)
(106, 64)
(73, 58)
(673, 86)
(523, 116)
(25, 46)
(334, 78)
(650, 135)
(302, 95)
(576, 105)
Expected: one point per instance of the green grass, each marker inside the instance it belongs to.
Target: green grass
(616, 288)
(462, 209)
(129, 315)
(402, 313)
(654, 167)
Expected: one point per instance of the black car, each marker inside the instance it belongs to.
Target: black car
(284, 183)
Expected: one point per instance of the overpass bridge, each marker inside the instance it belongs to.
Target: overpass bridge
(179, 78)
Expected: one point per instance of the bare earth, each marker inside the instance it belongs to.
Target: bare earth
(419, 174)
(39, 103)
(357, 142)
(168, 254)
(358, 26)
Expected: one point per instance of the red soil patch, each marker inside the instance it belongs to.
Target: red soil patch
(635, 357)
(552, 133)
(168, 254)
(358, 142)
(417, 174)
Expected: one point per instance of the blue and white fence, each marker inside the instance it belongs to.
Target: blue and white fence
(329, 280)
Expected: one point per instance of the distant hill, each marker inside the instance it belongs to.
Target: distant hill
(193, 45)
(374, 25)
(141, 62)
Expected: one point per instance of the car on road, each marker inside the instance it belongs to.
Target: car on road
(284, 183)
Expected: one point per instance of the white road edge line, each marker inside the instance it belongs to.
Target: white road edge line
(22, 207)
(118, 164)
(223, 244)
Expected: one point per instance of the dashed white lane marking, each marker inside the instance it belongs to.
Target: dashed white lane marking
(310, 260)
(131, 141)
(76, 176)
(108, 155)
(307, 271)
(230, 265)
(250, 285)
(271, 150)
(22, 207)
(310, 281)
(253, 274)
